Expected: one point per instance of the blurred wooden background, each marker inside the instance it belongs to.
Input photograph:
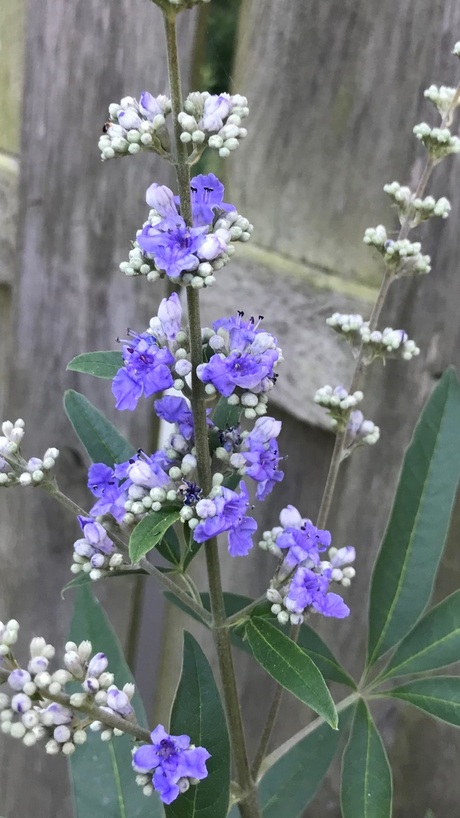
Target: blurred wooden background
(334, 89)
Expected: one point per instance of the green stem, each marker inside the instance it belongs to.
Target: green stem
(248, 805)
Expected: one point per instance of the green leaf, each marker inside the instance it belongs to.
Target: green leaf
(291, 782)
(150, 531)
(197, 712)
(323, 658)
(99, 364)
(192, 547)
(433, 643)
(366, 788)
(102, 778)
(317, 650)
(292, 774)
(226, 415)
(169, 547)
(101, 440)
(406, 565)
(291, 667)
(437, 695)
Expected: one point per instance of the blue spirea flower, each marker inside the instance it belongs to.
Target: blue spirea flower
(147, 370)
(176, 410)
(255, 454)
(227, 512)
(174, 246)
(149, 358)
(104, 483)
(309, 589)
(95, 539)
(302, 581)
(245, 359)
(172, 762)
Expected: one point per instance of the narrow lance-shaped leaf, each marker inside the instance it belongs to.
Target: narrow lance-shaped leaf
(308, 639)
(406, 565)
(292, 776)
(366, 787)
(98, 364)
(437, 695)
(102, 778)
(197, 711)
(291, 667)
(101, 440)
(150, 531)
(433, 643)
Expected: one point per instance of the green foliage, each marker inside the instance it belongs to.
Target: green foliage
(433, 643)
(308, 639)
(292, 781)
(406, 565)
(291, 667)
(98, 364)
(150, 531)
(197, 712)
(101, 440)
(366, 787)
(437, 695)
(102, 778)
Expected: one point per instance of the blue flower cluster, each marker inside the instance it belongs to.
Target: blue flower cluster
(169, 764)
(302, 582)
(188, 255)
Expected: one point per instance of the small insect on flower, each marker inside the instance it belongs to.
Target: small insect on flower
(106, 126)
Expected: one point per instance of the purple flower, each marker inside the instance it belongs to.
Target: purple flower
(304, 543)
(147, 370)
(262, 456)
(148, 106)
(238, 370)
(104, 484)
(245, 357)
(170, 759)
(170, 316)
(95, 539)
(119, 702)
(207, 197)
(230, 516)
(310, 590)
(173, 245)
(176, 410)
(148, 471)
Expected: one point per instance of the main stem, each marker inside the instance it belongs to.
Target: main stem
(248, 806)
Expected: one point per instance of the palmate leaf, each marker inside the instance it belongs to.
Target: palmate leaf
(99, 436)
(437, 695)
(98, 364)
(291, 667)
(197, 711)
(103, 781)
(414, 539)
(366, 787)
(434, 642)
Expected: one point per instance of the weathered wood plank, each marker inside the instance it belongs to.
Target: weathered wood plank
(77, 218)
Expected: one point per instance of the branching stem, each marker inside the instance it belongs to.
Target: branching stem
(248, 806)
